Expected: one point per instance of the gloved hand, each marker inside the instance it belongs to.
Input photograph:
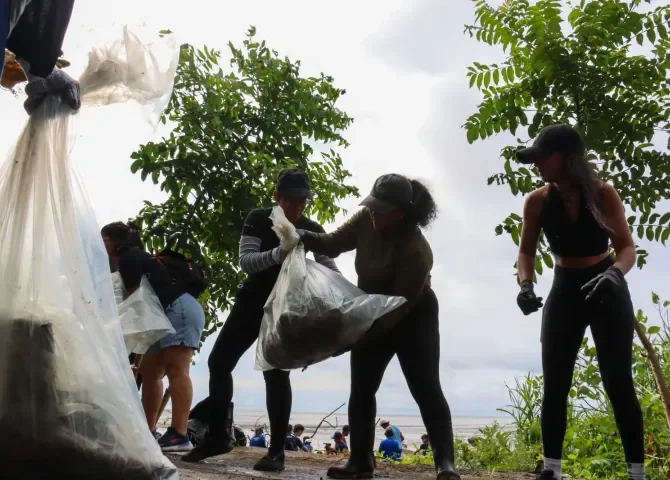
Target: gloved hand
(288, 242)
(605, 286)
(56, 83)
(306, 237)
(527, 301)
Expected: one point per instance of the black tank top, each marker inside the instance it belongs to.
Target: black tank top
(583, 238)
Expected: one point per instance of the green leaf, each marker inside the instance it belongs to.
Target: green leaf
(665, 235)
(653, 330)
(510, 74)
(538, 266)
(487, 79)
(640, 38)
(640, 232)
(650, 233)
(665, 218)
(496, 76)
(548, 260)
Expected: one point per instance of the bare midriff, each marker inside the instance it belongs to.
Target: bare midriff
(580, 262)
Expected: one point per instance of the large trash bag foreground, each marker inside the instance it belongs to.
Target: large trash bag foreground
(313, 312)
(69, 406)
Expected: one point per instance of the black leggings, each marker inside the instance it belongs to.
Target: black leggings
(239, 332)
(564, 320)
(416, 341)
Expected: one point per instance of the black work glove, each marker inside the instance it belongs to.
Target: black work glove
(605, 286)
(56, 83)
(307, 237)
(527, 301)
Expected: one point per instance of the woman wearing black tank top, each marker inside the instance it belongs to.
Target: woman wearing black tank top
(579, 215)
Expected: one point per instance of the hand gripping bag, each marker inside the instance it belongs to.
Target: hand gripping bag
(313, 312)
(69, 406)
(143, 320)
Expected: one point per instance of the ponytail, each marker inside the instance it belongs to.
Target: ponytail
(423, 210)
(124, 235)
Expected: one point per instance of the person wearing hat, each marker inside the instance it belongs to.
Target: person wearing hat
(393, 258)
(34, 30)
(261, 255)
(580, 215)
(397, 434)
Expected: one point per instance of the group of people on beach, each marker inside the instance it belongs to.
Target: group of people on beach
(578, 214)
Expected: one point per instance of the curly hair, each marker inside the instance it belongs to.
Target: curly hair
(424, 209)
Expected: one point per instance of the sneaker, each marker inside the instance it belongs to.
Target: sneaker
(157, 435)
(175, 442)
(270, 463)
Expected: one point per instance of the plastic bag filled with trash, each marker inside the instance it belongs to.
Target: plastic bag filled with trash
(69, 406)
(313, 312)
(143, 320)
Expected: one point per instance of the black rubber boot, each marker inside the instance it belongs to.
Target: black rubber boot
(270, 463)
(211, 447)
(448, 474)
(353, 469)
(545, 475)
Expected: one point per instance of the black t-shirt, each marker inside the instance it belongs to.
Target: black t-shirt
(135, 262)
(259, 225)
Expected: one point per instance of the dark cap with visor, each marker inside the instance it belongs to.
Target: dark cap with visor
(294, 183)
(389, 192)
(560, 138)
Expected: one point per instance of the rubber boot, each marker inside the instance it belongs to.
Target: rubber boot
(218, 439)
(270, 463)
(353, 469)
(443, 455)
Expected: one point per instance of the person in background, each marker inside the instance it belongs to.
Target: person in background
(425, 445)
(308, 443)
(261, 255)
(397, 434)
(340, 443)
(258, 439)
(345, 432)
(293, 442)
(171, 356)
(579, 215)
(393, 258)
(390, 448)
(34, 30)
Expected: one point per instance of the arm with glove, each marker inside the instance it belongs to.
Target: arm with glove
(35, 35)
(530, 233)
(605, 287)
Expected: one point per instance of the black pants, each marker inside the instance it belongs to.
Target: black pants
(416, 341)
(564, 320)
(239, 332)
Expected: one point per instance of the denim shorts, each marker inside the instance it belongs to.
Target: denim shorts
(188, 319)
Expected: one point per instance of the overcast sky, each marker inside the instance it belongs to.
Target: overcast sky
(403, 64)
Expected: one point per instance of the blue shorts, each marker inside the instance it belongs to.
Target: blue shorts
(188, 319)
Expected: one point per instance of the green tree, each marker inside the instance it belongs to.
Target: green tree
(587, 72)
(604, 70)
(233, 133)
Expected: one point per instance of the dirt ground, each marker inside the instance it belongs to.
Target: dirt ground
(238, 464)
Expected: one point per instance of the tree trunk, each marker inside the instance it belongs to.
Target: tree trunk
(661, 382)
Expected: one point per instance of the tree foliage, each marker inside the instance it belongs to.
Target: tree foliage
(603, 71)
(234, 131)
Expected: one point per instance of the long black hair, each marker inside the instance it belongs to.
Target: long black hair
(589, 186)
(424, 209)
(124, 235)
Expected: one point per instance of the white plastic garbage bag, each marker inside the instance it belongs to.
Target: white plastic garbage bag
(143, 320)
(69, 406)
(313, 312)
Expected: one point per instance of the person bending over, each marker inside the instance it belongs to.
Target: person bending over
(580, 215)
(393, 258)
(171, 356)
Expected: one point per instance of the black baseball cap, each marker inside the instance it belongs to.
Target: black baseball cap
(388, 193)
(561, 138)
(293, 182)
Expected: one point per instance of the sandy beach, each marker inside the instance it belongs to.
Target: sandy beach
(303, 466)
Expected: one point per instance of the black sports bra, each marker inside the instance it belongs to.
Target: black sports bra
(583, 238)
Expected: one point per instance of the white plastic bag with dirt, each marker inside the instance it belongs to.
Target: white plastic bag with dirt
(313, 312)
(69, 406)
(143, 320)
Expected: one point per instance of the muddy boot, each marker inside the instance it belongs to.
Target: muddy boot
(270, 463)
(210, 447)
(353, 469)
(545, 475)
(449, 474)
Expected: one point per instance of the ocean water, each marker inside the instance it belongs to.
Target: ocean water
(410, 425)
